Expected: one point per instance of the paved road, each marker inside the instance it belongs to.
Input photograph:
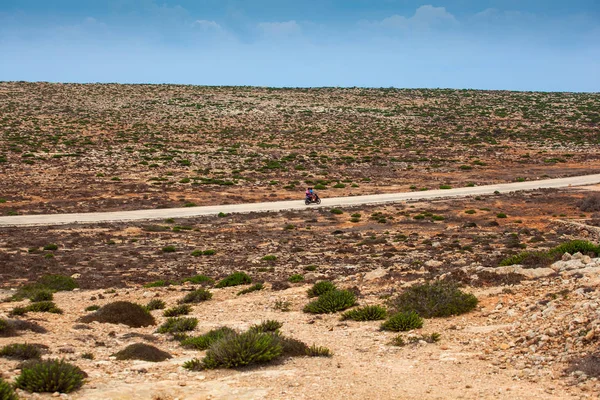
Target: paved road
(140, 215)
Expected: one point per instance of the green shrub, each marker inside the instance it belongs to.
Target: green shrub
(575, 246)
(122, 312)
(169, 249)
(50, 376)
(5, 328)
(501, 215)
(320, 288)
(296, 278)
(445, 187)
(269, 325)
(42, 295)
(253, 288)
(244, 349)
(155, 304)
(318, 351)
(58, 283)
(6, 391)
(403, 321)
(534, 259)
(331, 301)
(179, 324)
(199, 279)
(51, 247)
(196, 296)
(204, 341)
(310, 268)
(176, 311)
(42, 306)
(93, 307)
(366, 313)
(269, 257)
(142, 351)
(235, 279)
(159, 283)
(21, 351)
(336, 211)
(439, 299)
(10, 328)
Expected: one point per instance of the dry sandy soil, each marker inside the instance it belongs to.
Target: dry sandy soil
(519, 343)
(78, 148)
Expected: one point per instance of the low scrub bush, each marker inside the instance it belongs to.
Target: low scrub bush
(253, 288)
(320, 288)
(576, 246)
(142, 351)
(47, 283)
(403, 321)
(176, 311)
(197, 296)
(590, 203)
(318, 351)
(269, 325)
(122, 312)
(296, 278)
(50, 376)
(21, 351)
(180, 324)
(155, 304)
(42, 306)
(199, 279)
(12, 327)
(366, 313)
(331, 301)
(42, 295)
(251, 347)
(159, 283)
(235, 279)
(204, 341)
(6, 391)
(439, 299)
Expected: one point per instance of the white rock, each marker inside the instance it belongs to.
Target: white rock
(375, 274)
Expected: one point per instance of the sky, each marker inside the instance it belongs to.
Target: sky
(537, 45)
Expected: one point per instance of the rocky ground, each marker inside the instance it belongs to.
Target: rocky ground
(531, 335)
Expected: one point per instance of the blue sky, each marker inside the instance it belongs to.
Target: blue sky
(486, 44)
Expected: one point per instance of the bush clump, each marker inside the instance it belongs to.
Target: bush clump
(253, 288)
(403, 321)
(180, 324)
(296, 278)
(42, 295)
(269, 325)
(12, 327)
(6, 391)
(366, 313)
(47, 283)
(142, 351)
(251, 347)
(176, 311)
(591, 203)
(331, 301)
(122, 312)
(42, 306)
(320, 288)
(439, 299)
(576, 246)
(318, 351)
(155, 304)
(196, 296)
(235, 279)
(50, 376)
(21, 351)
(199, 279)
(204, 341)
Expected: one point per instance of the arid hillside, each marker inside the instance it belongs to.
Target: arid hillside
(72, 147)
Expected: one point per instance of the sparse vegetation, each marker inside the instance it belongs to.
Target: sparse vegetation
(20, 351)
(197, 296)
(176, 311)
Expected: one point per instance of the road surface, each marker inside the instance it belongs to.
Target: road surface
(164, 213)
